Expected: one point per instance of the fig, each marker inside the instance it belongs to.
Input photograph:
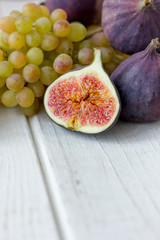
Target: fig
(83, 100)
(138, 82)
(130, 25)
(85, 11)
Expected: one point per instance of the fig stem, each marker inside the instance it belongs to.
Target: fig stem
(147, 2)
(156, 43)
(97, 58)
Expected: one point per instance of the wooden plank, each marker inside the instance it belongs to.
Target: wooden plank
(25, 210)
(106, 181)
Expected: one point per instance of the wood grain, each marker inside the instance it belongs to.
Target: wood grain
(109, 183)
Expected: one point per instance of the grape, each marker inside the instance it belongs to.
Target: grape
(6, 69)
(38, 88)
(62, 63)
(58, 14)
(61, 28)
(31, 73)
(48, 75)
(32, 110)
(24, 24)
(35, 56)
(25, 97)
(1, 55)
(2, 82)
(5, 37)
(17, 59)
(9, 98)
(85, 56)
(45, 11)
(77, 32)
(15, 14)
(15, 82)
(110, 67)
(43, 25)
(49, 42)
(32, 10)
(7, 24)
(99, 40)
(107, 54)
(77, 66)
(92, 29)
(33, 38)
(86, 44)
(46, 62)
(65, 46)
(16, 40)
(2, 90)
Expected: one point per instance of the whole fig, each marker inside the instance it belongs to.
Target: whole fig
(138, 82)
(86, 11)
(130, 25)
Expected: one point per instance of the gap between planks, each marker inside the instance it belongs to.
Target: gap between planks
(57, 206)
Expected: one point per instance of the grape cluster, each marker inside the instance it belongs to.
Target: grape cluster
(36, 47)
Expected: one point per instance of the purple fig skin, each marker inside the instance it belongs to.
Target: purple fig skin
(130, 25)
(138, 82)
(85, 11)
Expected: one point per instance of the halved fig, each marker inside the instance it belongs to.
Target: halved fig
(84, 100)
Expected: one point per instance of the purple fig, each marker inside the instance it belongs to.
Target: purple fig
(85, 11)
(138, 82)
(130, 25)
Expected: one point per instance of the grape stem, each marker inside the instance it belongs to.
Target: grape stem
(147, 2)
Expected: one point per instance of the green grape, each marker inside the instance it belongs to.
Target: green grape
(33, 38)
(2, 90)
(25, 97)
(110, 67)
(45, 11)
(15, 14)
(32, 10)
(31, 73)
(58, 14)
(77, 32)
(48, 75)
(6, 69)
(35, 56)
(9, 98)
(7, 24)
(65, 46)
(46, 62)
(61, 28)
(32, 110)
(99, 40)
(85, 56)
(15, 82)
(24, 24)
(16, 40)
(38, 88)
(49, 42)
(50, 56)
(43, 25)
(17, 59)
(63, 63)
(107, 54)
(5, 37)
(86, 44)
(2, 82)
(1, 55)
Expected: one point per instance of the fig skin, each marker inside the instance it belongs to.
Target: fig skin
(138, 82)
(85, 11)
(130, 25)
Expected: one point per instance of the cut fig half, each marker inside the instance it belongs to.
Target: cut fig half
(84, 100)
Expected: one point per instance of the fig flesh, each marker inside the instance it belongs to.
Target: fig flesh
(130, 25)
(138, 82)
(83, 100)
(85, 11)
